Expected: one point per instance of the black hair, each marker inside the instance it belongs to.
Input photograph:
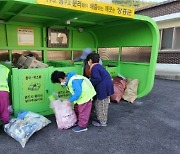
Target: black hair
(56, 75)
(94, 57)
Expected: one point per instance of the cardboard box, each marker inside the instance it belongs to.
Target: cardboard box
(31, 62)
(21, 61)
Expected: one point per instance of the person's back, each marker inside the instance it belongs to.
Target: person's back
(86, 89)
(104, 84)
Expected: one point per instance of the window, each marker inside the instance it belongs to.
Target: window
(136, 54)
(177, 38)
(59, 55)
(77, 54)
(167, 38)
(58, 38)
(169, 46)
(4, 55)
(108, 53)
(170, 39)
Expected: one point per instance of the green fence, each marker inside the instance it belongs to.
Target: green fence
(32, 87)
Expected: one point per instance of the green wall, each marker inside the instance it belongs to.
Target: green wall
(135, 34)
(83, 40)
(2, 35)
(121, 34)
(13, 38)
(77, 40)
(130, 34)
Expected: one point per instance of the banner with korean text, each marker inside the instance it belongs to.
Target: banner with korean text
(91, 6)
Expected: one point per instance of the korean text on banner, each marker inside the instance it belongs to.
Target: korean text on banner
(91, 6)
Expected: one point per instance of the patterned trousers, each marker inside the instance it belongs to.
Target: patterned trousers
(101, 108)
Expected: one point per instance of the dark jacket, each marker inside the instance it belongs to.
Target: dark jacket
(101, 81)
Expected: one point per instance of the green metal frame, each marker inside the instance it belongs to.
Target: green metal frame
(98, 31)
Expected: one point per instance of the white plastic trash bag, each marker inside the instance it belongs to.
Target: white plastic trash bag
(25, 125)
(65, 115)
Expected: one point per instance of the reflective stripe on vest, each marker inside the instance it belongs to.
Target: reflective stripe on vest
(4, 71)
(88, 91)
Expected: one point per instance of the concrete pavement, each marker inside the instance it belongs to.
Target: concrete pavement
(149, 126)
(168, 71)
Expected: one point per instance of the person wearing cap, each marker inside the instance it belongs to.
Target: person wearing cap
(85, 53)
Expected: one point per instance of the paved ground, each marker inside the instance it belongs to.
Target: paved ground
(150, 125)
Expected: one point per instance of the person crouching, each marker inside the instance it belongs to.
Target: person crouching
(82, 92)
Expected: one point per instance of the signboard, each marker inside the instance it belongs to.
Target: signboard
(33, 88)
(91, 6)
(25, 36)
(62, 91)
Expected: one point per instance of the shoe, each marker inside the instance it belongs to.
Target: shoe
(99, 124)
(10, 109)
(79, 129)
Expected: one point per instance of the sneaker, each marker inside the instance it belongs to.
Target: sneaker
(99, 124)
(79, 129)
(10, 109)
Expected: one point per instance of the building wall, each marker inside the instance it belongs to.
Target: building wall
(169, 23)
(172, 55)
(166, 55)
(169, 56)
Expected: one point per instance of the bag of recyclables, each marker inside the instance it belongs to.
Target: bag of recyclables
(65, 115)
(25, 125)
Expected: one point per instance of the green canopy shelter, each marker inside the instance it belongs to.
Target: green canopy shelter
(127, 43)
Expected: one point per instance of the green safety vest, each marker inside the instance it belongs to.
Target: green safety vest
(88, 91)
(4, 71)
